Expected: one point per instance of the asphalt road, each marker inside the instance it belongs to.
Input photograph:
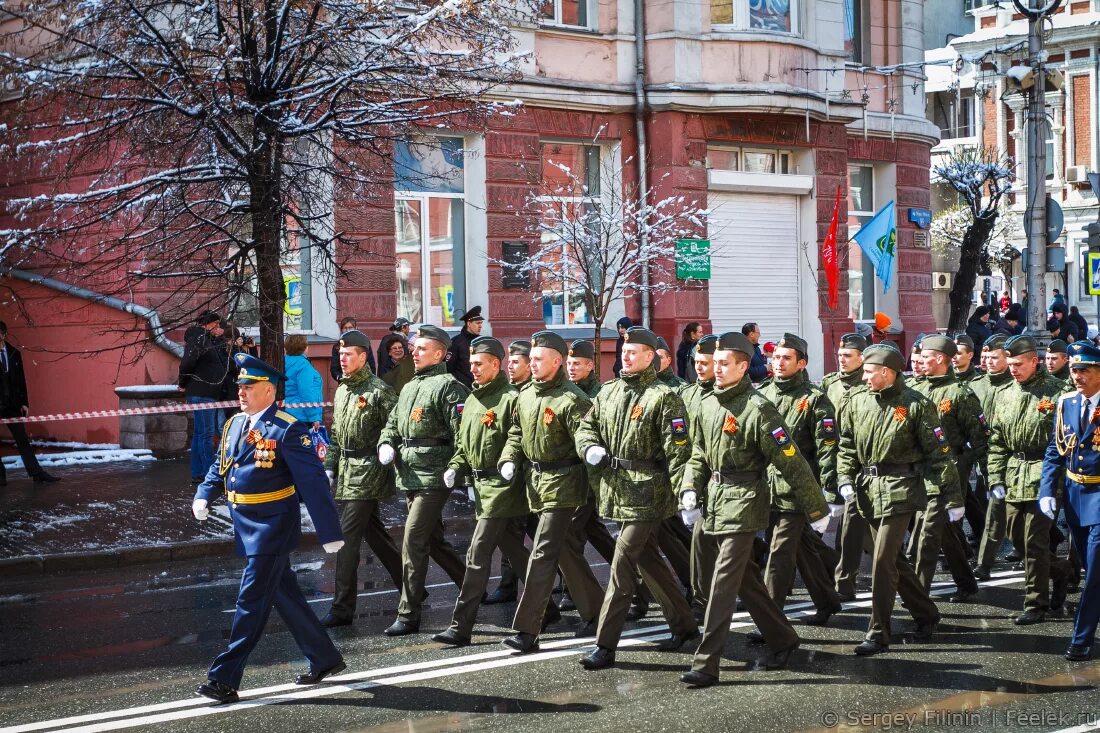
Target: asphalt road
(124, 649)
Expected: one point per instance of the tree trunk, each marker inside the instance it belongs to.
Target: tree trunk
(596, 339)
(267, 234)
(970, 254)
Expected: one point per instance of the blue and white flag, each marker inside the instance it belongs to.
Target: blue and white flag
(878, 239)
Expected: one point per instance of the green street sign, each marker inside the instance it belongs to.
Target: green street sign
(693, 259)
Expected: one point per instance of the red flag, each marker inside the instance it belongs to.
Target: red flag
(829, 256)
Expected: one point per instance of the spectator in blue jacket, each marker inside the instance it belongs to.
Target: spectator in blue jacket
(303, 382)
(758, 365)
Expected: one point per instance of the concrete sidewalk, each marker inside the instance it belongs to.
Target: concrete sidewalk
(125, 513)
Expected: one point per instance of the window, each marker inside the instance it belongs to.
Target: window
(568, 13)
(430, 229)
(571, 175)
(777, 16)
(298, 276)
(856, 28)
(953, 113)
(861, 272)
(749, 160)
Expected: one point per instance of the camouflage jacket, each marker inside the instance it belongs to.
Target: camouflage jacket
(811, 424)
(963, 422)
(693, 396)
(669, 379)
(636, 418)
(590, 385)
(429, 408)
(361, 407)
(739, 434)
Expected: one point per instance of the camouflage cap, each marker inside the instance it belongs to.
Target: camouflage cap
(355, 338)
(582, 349)
(735, 341)
(1020, 345)
(643, 336)
(520, 347)
(853, 341)
(942, 344)
(707, 344)
(487, 345)
(884, 354)
(550, 340)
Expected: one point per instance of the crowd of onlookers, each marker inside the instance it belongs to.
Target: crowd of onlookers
(1003, 316)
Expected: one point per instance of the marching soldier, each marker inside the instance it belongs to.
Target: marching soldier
(665, 373)
(1075, 448)
(1021, 435)
(581, 367)
(852, 537)
(487, 417)
(891, 446)
(362, 406)
(267, 468)
(964, 424)
(974, 499)
(540, 442)
(1057, 361)
(704, 550)
(963, 361)
(737, 436)
(811, 425)
(636, 437)
(519, 363)
(420, 437)
(987, 388)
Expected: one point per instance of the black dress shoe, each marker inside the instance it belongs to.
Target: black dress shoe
(698, 679)
(46, 478)
(552, 616)
(217, 691)
(846, 597)
(676, 641)
(639, 609)
(401, 628)
(776, 660)
(312, 678)
(1077, 653)
(331, 620)
(589, 629)
(599, 658)
(1027, 618)
(500, 595)
(450, 637)
(754, 637)
(962, 596)
(566, 603)
(981, 572)
(822, 616)
(924, 631)
(871, 647)
(1014, 557)
(522, 642)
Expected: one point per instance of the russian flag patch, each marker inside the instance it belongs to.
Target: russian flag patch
(780, 436)
(679, 427)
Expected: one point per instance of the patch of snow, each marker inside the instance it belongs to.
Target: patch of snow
(148, 388)
(84, 457)
(306, 567)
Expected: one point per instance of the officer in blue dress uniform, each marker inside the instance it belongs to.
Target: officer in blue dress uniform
(1075, 446)
(267, 467)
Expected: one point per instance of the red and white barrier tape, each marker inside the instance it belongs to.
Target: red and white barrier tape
(145, 411)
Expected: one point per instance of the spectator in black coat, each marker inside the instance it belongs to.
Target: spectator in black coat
(684, 366)
(758, 365)
(203, 374)
(1079, 321)
(458, 353)
(1067, 330)
(14, 403)
(399, 331)
(622, 324)
(978, 328)
(1012, 323)
(347, 323)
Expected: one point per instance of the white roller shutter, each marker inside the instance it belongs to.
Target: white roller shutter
(754, 268)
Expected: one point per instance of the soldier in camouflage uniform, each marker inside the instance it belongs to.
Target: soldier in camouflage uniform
(964, 424)
(737, 436)
(540, 443)
(974, 498)
(811, 425)
(486, 419)
(963, 361)
(987, 388)
(1022, 431)
(635, 437)
(852, 538)
(1057, 361)
(891, 446)
(362, 406)
(419, 438)
(704, 550)
(663, 367)
(580, 365)
(673, 537)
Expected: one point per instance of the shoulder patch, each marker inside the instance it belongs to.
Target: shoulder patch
(459, 407)
(780, 436)
(286, 417)
(981, 420)
(679, 427)
(939, 435)
(828, 426)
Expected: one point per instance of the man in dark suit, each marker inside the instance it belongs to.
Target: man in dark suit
(458, 354)
(266, 467)
(13, 403)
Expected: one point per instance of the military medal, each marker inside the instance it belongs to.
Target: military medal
(636, 413)
(547, 416)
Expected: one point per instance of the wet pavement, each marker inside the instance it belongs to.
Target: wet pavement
(117, 649)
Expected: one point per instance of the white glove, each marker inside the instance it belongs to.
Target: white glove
(847, 492)
(689, 500)
(1048, 506)
(690, 516)
(998, 492)
(331, 477)
(955, 514)
(595, 454)
(331, 547)
(449, 477)
(507, 470)
(386, 454)
(835, 510)
(470, 493)
(200, 508)
(820, 525)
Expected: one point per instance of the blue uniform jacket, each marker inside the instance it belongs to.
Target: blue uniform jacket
(274, 527)
(1077, 453)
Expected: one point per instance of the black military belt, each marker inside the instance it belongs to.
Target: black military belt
(1030, 455)
(635, 465)
(889, 469)
(480, 473)
(541, 466)
(729, 477)
(356, 452)
(423, 442)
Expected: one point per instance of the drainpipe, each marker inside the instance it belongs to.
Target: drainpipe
(640, 105)
(150, 315)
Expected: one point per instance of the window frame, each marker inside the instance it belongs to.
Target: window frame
(866, 268)
(742, 20)
(783, 158)
(557, 23)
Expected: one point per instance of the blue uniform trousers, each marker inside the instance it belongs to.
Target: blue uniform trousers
(268, 581)
(1087, 540)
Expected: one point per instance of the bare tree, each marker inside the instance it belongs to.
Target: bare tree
(595, 240)
(195, 144)
(949, 229)
(981, 177)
